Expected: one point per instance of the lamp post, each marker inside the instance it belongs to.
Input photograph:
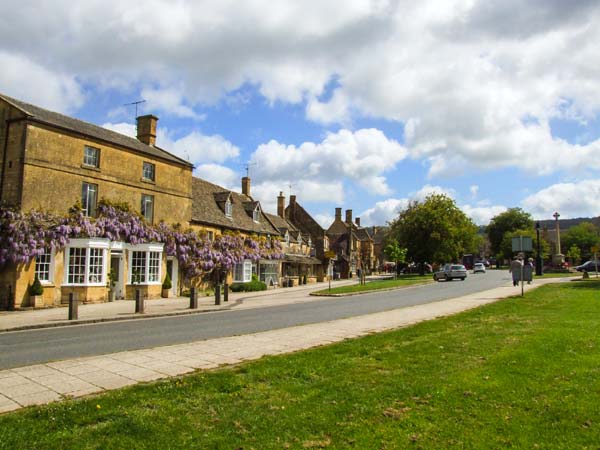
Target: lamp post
(538, 259)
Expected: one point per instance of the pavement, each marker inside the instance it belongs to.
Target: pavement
(78, 377)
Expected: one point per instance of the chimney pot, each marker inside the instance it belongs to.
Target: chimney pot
(281, 205)
(246, 186)
(146, 129)
(357, 221)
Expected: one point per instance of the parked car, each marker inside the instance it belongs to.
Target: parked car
(478, 268)
(589, 266)
(450, 272)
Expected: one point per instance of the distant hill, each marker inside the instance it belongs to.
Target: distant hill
(565, 224)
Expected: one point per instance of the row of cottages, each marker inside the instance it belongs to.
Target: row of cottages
(352, 245)
(51, 162)
(216, 210)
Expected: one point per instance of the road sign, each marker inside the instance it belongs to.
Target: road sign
(522, 244)
(330, 254)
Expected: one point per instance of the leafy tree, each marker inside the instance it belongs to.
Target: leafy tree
(434, 230)
(584, 236)
(506, 246)
(395, 252)
(510, 220)
(574, 254)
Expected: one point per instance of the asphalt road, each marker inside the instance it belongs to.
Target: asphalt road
(44, 345)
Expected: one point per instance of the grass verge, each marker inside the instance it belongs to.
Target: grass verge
(520, 373)
(402, 280)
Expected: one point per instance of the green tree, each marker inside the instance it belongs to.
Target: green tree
(510, 220)
(584, 236)
(434, 230)
(395, 252)
(506, 246)
(574, 254)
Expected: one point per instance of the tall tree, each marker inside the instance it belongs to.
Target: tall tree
(434, 230)
(584, 236)
(506, 246)
(510, 220)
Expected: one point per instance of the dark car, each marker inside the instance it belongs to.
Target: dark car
(589, 266)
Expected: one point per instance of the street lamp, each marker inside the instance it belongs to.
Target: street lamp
(538, 259)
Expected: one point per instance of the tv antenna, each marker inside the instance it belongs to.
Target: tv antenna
(139, 102)
(247, 167)
(291, 186)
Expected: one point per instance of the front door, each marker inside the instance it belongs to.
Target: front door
(173, 274)
(116, 264)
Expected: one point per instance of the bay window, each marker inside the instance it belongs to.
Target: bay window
(85, 262)
(145, 264)
(44, 265)
(242, 272)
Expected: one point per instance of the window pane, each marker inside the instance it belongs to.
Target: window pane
(89, 199)
(148, 207)
(154, 267)
(148, 171)
(238, 272)
(247, 271)
(76, 268)
(96, 265)
(42, 265)
(138, 267)
(91, 156)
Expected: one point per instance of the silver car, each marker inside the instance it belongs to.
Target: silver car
(451, 271)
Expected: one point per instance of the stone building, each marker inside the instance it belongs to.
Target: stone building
(51, 162)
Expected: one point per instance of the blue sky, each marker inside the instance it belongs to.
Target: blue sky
(364, 107)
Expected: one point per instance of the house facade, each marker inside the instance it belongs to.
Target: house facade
(51, 162)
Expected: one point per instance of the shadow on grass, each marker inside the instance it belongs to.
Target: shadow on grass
(584, 284)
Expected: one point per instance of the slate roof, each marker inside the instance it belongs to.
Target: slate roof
(206, 198)
(54, 119)
(282, 224)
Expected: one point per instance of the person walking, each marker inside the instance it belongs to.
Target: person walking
(515, 270)
(528, 271)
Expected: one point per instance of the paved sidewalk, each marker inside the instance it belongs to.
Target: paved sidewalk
(125, 309)
(45, 383)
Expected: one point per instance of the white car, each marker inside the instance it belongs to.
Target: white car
(450, 271)
(478, 267)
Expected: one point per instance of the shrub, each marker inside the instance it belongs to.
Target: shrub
(252, 286)
(36, 288)
(167, 283)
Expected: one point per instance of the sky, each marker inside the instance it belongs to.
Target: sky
(363, 105)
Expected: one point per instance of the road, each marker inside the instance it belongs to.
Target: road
(45, 345)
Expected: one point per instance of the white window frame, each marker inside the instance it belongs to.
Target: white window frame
(256, 215)
(96, 156)
(86, 245)
(246, 271)
(146, 164)
(86, 206)
(228, 209)
(287, 238)
(147, 249)
(50, 278)
(143, 208)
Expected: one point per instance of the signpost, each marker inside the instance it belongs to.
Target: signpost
(330, 255)
(522, 244)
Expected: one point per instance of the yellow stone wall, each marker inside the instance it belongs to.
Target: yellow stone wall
(54, 172)
(11, 173)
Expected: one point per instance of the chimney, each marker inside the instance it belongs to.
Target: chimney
(246, 186)
(146, 129)
(348, 216)
(281, 205)
(357, 221)
(338, 213)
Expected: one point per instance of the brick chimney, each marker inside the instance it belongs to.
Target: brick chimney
(357, 221)
(246, 186)
(348, 216)
(281, 205)
(338, 213)
(146, 129)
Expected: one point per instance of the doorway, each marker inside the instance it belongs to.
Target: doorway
(172, 270)
(116, 267)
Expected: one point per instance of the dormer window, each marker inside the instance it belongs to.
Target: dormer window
(287, 238)
(228, 208)
(256, 215)
(309, 242)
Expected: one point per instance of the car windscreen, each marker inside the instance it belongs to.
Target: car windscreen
(457, 268)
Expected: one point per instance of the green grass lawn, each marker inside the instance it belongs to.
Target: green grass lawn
(402, 280)
(521, 373)
(560, 275)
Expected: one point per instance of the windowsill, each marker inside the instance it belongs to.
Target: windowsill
(94, 168)
(154, 283)
(84, 285)
(49, 284)
(147, 180)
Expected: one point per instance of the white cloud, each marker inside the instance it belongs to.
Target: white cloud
(571, 200)
(482, 215)
(217, 174)
(194, 147)
(383, 212)
(428, 190)
(363, 156)
(27, 80)
(474, 190)
(170, 100)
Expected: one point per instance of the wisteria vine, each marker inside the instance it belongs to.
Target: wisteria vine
(23, 236)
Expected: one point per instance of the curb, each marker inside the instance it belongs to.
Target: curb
(349, 294)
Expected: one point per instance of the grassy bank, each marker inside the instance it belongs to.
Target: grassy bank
(402, 280)
(521, 373)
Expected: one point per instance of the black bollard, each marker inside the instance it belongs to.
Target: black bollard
(218, 294)
(193, 299)
(139, 302)
(73, 307)
(225, 292)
